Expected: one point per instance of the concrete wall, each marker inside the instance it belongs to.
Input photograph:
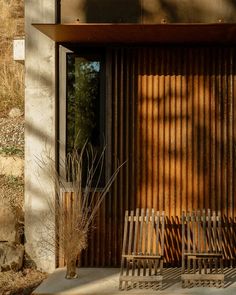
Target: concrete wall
(148, 11)
(39, 132)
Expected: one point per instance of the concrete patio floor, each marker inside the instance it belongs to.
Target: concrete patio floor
(98, 281)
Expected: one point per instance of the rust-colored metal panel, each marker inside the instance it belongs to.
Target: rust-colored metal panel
(173, 121)
(180, 153)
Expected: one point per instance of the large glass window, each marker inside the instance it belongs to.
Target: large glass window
(85, 106)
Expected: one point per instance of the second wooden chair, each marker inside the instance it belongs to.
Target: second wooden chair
(202, 257)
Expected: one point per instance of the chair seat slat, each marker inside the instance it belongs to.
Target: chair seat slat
(142, 256)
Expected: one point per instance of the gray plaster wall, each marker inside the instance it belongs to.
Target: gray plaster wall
(148, 11)
(39, 133)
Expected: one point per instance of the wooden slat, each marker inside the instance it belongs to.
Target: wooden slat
(193, 255)
(124, 244)
(131, 225)
(183, 241)
(152, 232)
(157, 218)
(162, 231)
(203, 277)
(141, 232)
(61, 257)
(136, 231)
(204, 230)
(140, 239)
(193, 219)
(142, 256)
(214, 231)
(199, 239)
(142, 278)
(145, 240)
(209, 228)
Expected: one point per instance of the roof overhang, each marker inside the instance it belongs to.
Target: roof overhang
(91, 33)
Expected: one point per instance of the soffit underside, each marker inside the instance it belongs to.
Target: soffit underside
(139, 33)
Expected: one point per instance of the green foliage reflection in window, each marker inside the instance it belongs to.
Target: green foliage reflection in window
(83, 101)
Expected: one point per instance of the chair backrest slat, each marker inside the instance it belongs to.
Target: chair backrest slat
(125, 231)
(144, 232)
(209, 230)
(214, 232)
(204, 229)
(157, 220)
(136, 231)
(201, 231)
(162, 231)
(141, 232)
(220, 231)
(131, 218)
(188, 231)
(193, 221)
(183, 219)
(152, 231)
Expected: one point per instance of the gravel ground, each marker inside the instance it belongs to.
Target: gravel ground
(12, 134)
(12, 143)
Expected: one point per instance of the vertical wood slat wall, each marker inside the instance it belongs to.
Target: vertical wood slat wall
(173, 120)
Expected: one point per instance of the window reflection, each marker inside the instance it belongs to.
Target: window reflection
(83, 101)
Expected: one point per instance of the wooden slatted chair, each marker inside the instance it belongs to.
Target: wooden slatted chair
(202, 257)
(143, 248)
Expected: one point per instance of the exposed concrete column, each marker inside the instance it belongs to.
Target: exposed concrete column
(40, 129)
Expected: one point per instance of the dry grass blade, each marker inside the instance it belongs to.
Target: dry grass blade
(79, 197)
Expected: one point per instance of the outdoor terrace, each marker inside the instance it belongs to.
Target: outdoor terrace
(98, 281)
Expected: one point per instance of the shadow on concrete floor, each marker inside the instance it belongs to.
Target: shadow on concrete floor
(98, 281)
(173, 276)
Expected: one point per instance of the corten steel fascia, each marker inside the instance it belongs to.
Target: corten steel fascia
(92, 33)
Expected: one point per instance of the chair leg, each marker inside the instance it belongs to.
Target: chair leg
(120, 285)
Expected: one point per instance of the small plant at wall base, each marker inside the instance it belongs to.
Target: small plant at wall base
(11, 151)
(79, 198)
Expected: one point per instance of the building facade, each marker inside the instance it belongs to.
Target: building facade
(165, 98)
